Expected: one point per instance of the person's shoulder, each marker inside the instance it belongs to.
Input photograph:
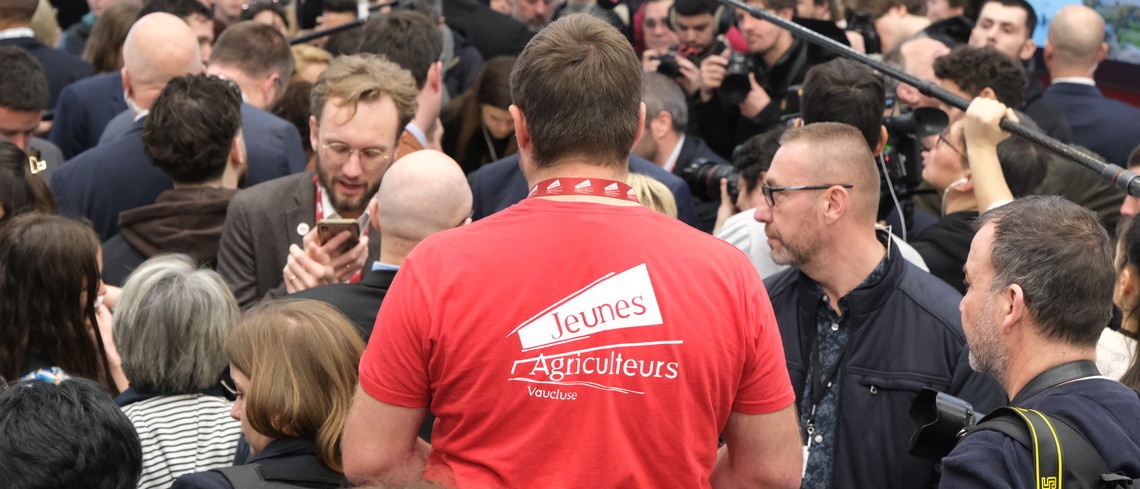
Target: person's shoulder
(276, 188)
(985, 459)
(929, 293)
(202, 480)
(260, 118)
(95, 84)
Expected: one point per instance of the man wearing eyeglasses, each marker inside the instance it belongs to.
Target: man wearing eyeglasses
(863, 329)
(268, 248)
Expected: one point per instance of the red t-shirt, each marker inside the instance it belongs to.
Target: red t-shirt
(569, 344)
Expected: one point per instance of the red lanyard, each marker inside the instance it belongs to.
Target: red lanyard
(320, 214)
(596, 187)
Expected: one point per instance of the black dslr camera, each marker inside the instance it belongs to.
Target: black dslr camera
(703, 177)
(668, 66)
(735, 87)
(942, 420)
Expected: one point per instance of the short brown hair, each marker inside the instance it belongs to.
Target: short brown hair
(879, 8)
(301, 359)
(256, 49)
(578, 83)
(18, 10)
(365, 78)
(407, 38)
(1061, 256)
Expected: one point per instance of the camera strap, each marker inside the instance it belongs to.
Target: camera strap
(1066, 372)
(1062, 456)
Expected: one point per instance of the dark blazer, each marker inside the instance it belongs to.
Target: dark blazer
(492, 33)
(261, 222)
(692, 149)
(84, 109)
(501, 184)
(1109, 127)
(359, 301)
(106, 180)
(273, 144)
(60, 68)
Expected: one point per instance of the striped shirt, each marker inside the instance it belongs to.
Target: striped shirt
(183, 434)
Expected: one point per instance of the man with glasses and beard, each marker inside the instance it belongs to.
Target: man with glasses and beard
(863, 330)
(360, 106)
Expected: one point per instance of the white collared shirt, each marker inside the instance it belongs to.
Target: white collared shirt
(672, 161)
(1079, 80)
(17, 32)
(419, 134)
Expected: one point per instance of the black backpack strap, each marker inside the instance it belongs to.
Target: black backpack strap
(1062, 456)
(312, 473)
(247, 477)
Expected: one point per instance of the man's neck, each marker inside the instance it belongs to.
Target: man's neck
(842, 267)
(1027, 361)
(428, 110)
(783, 44)
(1071, 72)
(5, 25)
(959, 202)
(394, 250)
(665, 148)
(249, 93)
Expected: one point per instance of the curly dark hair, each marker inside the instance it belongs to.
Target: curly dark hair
(974, 69)
(23, 88)
(191, 127)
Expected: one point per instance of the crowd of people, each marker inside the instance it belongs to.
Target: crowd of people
(555, 243)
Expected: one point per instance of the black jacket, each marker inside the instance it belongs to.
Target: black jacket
(294, 454)
(723, 127)
(905, 335)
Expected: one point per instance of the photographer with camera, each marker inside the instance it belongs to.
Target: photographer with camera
(664, 142)
(885, 23)
(1041, 280)
(699, 26)
(741, 93)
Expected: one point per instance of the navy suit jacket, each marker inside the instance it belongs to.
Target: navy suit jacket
(60, 68)
(84, 109)
(106, 180)
(1109, 127)
(501, 184)
(272, 143)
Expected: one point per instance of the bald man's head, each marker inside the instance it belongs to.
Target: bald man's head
(1076, 37)
(423, 193)
(158, 47)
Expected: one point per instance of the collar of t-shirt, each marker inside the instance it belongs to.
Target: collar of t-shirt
(417, 133)
(672, 161)
(1079, 80)
(17, 32)
(378, 267)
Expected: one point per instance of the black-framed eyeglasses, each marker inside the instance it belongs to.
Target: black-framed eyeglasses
(769, 192)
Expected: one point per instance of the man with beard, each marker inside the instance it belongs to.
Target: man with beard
(1040, 279)
(863, 330)
(360, 106)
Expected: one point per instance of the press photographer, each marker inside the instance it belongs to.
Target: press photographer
(701, 26)
(774, 62)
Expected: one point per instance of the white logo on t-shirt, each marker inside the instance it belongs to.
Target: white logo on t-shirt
(614, 302)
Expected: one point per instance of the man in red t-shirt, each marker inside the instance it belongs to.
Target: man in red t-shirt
(576, 339)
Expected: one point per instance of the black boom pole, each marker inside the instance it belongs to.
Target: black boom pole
(1123, 179)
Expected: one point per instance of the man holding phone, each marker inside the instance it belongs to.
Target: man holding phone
(270, 245)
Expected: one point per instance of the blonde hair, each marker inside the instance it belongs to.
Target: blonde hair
(301, 358)
(365, 78)
(653, 194)
(306, 55)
